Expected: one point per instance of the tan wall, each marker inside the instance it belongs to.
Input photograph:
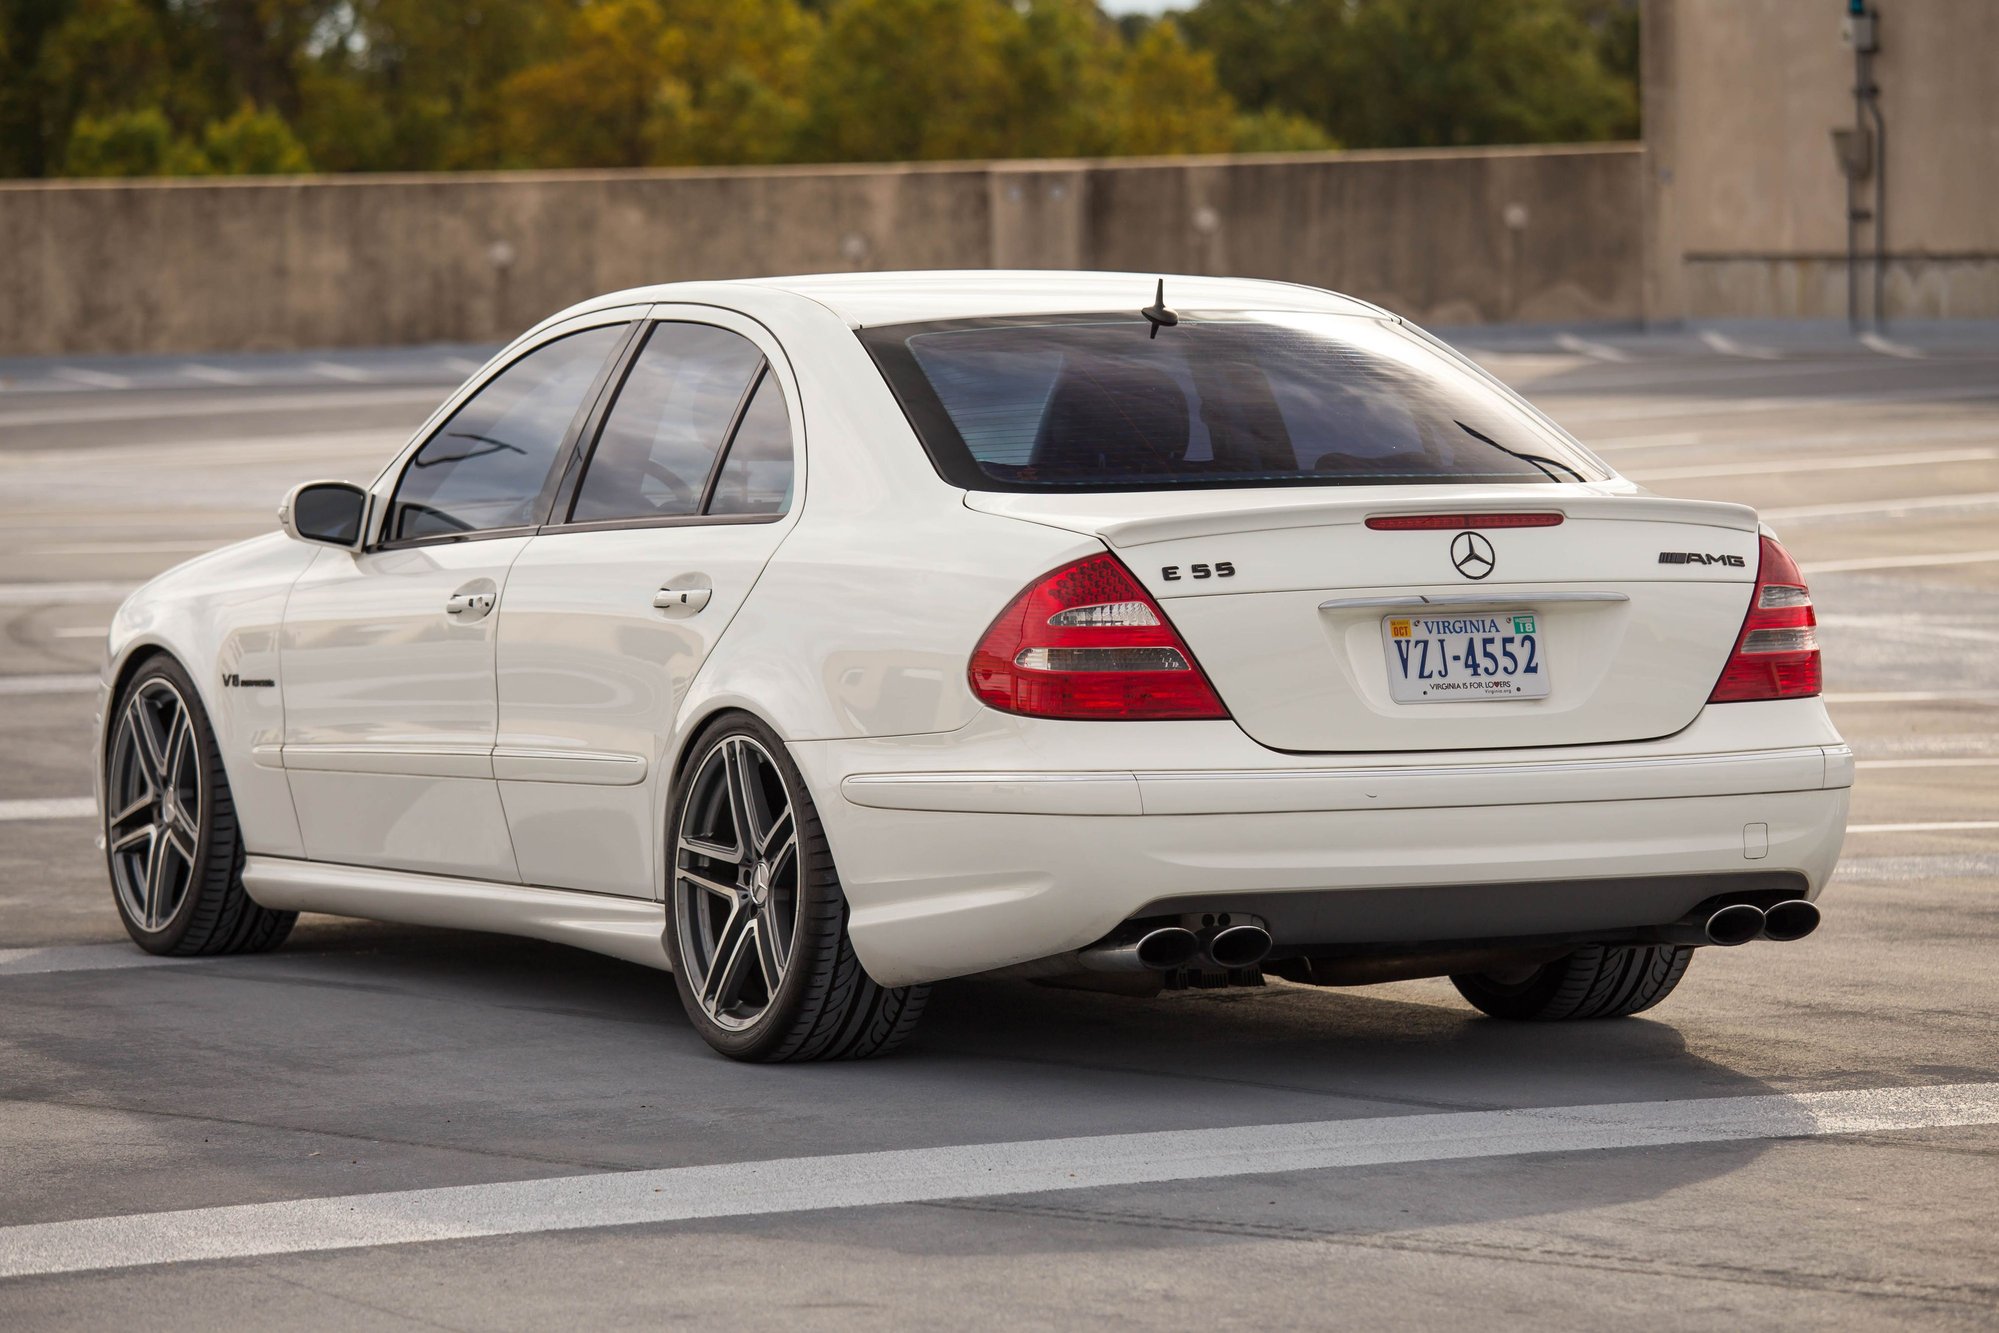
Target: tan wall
(1748, 206)
(1447, 237)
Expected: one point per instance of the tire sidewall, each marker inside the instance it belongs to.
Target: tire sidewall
(168, 937)
(817, 885)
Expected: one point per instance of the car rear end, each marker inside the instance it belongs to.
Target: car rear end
(1358, 668)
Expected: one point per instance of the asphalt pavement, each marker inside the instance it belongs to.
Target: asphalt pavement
(387, 1126)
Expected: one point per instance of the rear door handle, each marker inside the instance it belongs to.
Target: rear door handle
(469, 605)
(689, 600)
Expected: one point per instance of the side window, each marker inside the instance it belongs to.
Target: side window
(485, 467)
(669, 421)
(756, 476)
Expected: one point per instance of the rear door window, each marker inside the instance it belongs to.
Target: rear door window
(1098, 403)
(486, 467)
(684, 393)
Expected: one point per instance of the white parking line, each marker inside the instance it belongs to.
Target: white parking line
(15, 686)
(1942, 761)
(47, 807)
(1935, 826)
(1596, 351)
(1898, 562)
(39, 594)
(1727, 346)
(1885, 508)
(215, 374)
(1816, 465)
(96, 379)
(1889, 347)
(335, 371)
(921, 1175)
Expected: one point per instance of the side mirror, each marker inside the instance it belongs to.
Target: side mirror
(328, 512)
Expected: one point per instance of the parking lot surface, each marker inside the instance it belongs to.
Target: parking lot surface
(1803, 1135)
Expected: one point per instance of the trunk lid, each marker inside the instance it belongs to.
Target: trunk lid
(1633, 602)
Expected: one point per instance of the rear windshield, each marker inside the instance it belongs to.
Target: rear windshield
(1094, 403)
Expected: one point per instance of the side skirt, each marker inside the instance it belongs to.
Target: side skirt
(628, 928)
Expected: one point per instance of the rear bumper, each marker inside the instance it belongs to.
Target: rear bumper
(951, 871)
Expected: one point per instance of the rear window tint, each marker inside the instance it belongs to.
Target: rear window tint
(1095, 403)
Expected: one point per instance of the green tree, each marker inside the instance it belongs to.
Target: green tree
(1406, 73)
(253, 143)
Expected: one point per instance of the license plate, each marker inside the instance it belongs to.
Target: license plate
(1441, 658)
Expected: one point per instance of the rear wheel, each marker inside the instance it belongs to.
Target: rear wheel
(756, 921)
(1598, 981)
(174, 850)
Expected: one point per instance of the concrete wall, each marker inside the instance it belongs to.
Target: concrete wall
(1447, 237)
(1746, 204)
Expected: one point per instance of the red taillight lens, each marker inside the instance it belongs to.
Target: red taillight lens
(1777, 653)
(1449, 522)
(1087, 641)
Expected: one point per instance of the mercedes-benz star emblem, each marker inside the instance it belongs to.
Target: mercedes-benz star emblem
(1472, 554)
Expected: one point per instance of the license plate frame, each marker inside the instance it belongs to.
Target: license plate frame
(1425, 656)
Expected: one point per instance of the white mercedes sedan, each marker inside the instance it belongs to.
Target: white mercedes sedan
(820, 638)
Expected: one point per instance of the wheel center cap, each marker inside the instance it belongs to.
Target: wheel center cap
(760, 883)
(169, 808)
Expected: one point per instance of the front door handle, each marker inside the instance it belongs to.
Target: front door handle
(688, 600)
(469, 605)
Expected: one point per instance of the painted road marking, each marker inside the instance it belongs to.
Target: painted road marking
(215, 374)
(37, 594)
(1898, 562)
(922, 1175)
(1968, 761)
(1885, 508)
(1727, 346)
(1914, 697)
(1816, 465)
(1569, 342)
(84, 958)
(96, 379)
(1889, 347)
(335, 371)
(15, 686)
(50, 807)
(1938, 826)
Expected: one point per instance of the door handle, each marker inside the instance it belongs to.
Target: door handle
(469, 605)
(689, 600)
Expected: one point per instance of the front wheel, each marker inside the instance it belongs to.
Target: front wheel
(1597, 981)
(756, 920)
(174, 849)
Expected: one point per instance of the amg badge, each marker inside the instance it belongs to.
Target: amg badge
(1696, 558)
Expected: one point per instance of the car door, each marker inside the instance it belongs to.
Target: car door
(683, 494)
(386, 658)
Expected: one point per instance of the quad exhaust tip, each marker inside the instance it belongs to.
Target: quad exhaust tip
(1239, 946)
(1738, 923)
(1790, 920)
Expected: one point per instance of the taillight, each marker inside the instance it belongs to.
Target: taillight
(1777, 653)
(1086, 641)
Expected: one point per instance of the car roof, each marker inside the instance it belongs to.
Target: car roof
(868, 299)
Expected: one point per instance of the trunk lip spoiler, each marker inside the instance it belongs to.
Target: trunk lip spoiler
(1097, 516)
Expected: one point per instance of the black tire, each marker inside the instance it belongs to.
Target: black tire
(211, 913)
(825, 1006)
(1597, 981)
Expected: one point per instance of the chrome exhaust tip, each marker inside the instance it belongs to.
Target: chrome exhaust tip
(1792, 919)
(1239, 946)
(1737, 923)
(1159, 950)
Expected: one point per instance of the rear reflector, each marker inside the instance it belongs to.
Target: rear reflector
(1434, 522)
(1087, 642)
(1777, 653)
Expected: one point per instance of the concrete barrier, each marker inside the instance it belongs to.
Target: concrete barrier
(1447, 237)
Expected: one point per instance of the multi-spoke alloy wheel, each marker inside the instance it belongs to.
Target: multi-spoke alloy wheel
(170, 834)
(757, 922)
(736, 885)
(154, 803)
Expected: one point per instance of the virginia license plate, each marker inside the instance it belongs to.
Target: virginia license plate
(1448, 658)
